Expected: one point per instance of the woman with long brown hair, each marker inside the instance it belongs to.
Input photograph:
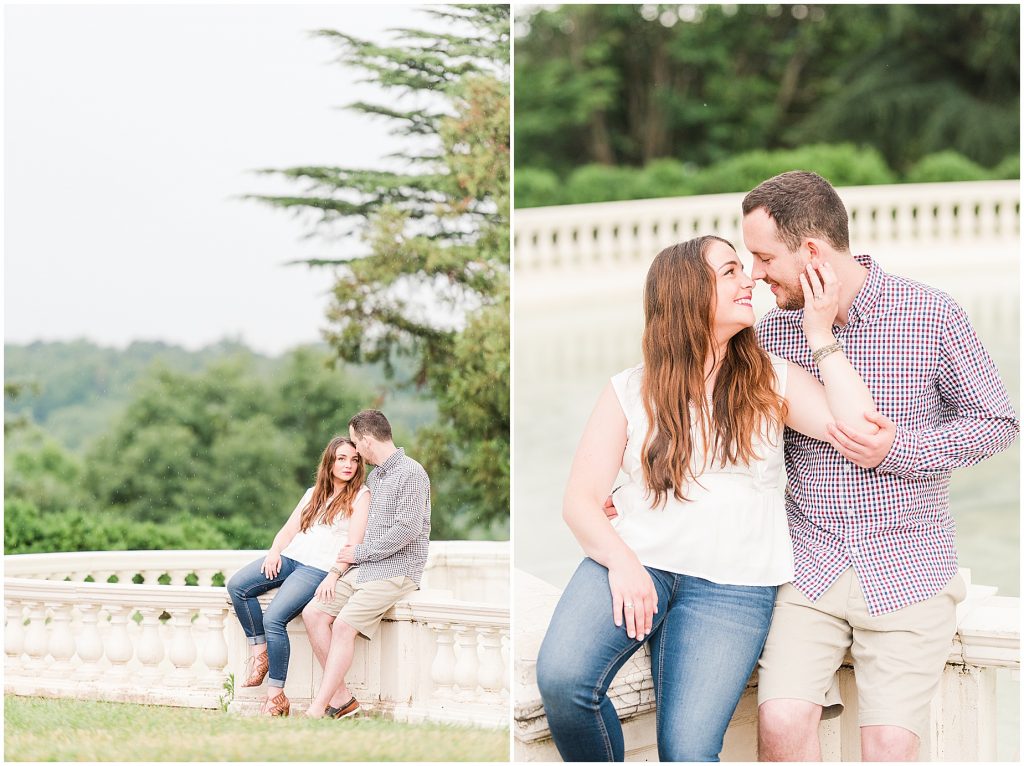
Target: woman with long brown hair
(301, 562)
(692, 561)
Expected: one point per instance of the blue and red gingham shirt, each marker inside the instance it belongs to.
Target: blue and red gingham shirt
(929, 374)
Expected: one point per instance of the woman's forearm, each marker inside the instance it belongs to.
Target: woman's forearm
(594, 532)
(847, 395)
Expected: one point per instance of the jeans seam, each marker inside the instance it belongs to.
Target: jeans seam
(597, 701)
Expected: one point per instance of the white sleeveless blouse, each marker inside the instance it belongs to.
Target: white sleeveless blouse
(732, 529)
(318, 546)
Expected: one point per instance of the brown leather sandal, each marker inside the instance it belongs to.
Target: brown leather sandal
(257, 666)
(277, 706)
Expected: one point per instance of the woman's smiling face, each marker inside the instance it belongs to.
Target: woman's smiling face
(734, 310)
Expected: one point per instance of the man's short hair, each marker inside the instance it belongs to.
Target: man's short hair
(372, 423)
(802, 204)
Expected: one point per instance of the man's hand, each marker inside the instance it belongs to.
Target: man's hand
(865, 450)
(609, 508)
(347, 555)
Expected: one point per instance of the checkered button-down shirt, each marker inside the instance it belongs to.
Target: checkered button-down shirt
(929, 374)
(398, 530)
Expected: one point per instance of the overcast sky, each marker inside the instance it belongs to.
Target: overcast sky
(129, 134)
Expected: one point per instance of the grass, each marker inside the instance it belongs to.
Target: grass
(37, 729)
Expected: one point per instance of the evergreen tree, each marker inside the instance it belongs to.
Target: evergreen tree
(436, 267)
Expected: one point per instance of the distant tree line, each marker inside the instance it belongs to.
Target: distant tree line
(703, 85)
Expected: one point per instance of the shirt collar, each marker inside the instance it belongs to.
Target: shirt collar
(870, 291)
(393, 459)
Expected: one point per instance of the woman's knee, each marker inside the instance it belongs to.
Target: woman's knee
(561, 675)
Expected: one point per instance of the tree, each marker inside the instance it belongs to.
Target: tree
(437, 241)
(626, 84)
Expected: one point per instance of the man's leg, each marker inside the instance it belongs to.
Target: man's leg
(888, 743)
(787, 730)
(797, 671)
(318, 628)
(333, 690)
(899, 658)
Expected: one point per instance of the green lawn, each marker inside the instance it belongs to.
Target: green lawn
(39, 729)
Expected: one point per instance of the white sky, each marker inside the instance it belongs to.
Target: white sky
(129, 134)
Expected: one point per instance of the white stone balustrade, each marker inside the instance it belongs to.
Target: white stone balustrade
(963, 726)
(177, 644)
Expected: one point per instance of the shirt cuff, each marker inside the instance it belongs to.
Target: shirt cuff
(903, 455)
(360, 552)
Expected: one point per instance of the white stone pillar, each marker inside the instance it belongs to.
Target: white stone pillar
(467, 663)
(35, 638)
(61, 645)
(150, 645)
(183, 647)
(492, 675)
(117, 644)
(215, 648)
(14, 637)
(442, 671)
(88, 643)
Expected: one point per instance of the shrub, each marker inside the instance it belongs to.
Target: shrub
(535, 187)
(664, 178)
(842, 165)
(946, 166)
(1008, 169)
(600, 183)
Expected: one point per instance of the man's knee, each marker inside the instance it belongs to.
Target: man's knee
(888, 743)
(787, 719)
(342, 629)
(312, 616)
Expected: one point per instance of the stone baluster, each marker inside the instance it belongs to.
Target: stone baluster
(467, 663)
(1008, 217)
(152, 576)
(126, 576)
(150, 645)
(183, 647)
(101, 575)
(88, 643)
(14, 637)
(215, 648)
(947, 220)
(206, 576)
(35, 638)
(117, 644)
(492, 669)
(61, 645)
(442, 671)
(178, 576)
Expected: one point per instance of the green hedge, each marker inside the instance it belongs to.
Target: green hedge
(841, 164)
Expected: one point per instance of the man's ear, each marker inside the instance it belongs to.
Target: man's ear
(814, 254)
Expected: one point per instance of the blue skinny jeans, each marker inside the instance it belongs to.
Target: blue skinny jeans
(298, 583)
(705, 641)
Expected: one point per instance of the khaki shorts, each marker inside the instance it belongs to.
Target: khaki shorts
(898, 657)
(362, 605)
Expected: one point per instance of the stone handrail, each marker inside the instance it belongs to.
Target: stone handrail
(963, 713)
(610, 235)
(438, 655)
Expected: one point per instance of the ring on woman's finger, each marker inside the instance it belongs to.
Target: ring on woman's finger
(628, 606)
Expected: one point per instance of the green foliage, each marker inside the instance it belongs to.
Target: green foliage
(843, 165)
(436, 236)
(536, 187)
(628, 84)
(946, 166)
(1008, 169)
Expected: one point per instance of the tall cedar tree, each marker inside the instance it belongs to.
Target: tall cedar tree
(434, 284)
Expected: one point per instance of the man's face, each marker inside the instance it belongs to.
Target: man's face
(362, 444)
(774, 263)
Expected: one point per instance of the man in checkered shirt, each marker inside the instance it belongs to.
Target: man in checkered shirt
(873, 539)
(385, 567)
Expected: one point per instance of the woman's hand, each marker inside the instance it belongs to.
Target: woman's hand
(325, 590)
(271, 565)
(634, 599)
(821, 304)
